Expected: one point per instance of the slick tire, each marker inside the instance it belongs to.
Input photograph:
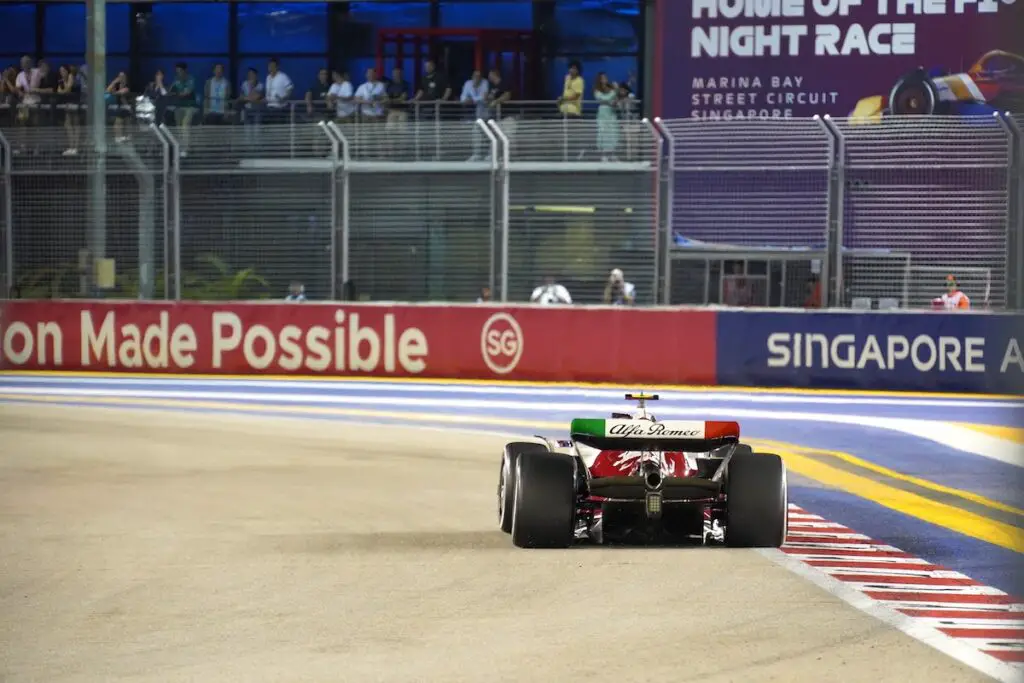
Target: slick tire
(757, 501)
(544, 505)
(507, 480)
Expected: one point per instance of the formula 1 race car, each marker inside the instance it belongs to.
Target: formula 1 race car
(634, 478)
(994, 83)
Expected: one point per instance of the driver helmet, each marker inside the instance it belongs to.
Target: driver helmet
(640, 415)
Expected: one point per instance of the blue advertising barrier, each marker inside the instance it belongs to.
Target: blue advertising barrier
(928, 351)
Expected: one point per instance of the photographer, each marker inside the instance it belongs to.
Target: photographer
(618, 292)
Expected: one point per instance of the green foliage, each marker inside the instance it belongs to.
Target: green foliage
(211, 279)
(215, 280)
(58, 282)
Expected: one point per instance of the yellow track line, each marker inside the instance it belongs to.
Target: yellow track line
(899, 476)
(1014, 434)
(941, 514)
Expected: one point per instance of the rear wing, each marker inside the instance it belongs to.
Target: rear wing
(645, 435)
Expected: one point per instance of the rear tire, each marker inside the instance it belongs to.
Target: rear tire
(544, 510)
(507, 479)
(757, 501)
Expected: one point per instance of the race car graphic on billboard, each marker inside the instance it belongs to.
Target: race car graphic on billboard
(994, 83)
(727, 59)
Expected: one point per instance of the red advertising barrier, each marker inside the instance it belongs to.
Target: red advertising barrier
(480, 342)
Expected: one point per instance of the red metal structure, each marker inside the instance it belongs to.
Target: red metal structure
(490, 49)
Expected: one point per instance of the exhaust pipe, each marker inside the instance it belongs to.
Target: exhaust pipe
(652, 477)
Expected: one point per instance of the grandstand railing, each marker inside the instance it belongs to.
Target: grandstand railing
(742, 212)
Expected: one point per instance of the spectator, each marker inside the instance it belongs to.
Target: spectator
(251, 99)
(435, 89)
(317, 105)
(23, 86)
(296, 292)
(9, 98)
(497, 94)
(278, 92)
(607, 95)
(630, 120)
(370, 98)
(550, 293)
(398, 96)
(813, 298)
(156, 92)
(183, 96)
(44, 86)
(570, 104)
(218, 93)
(735, 288)
(117, 97)
(485, 295)
(474, 95)
(617, 291)
(954, 298)
(70, 92)
(341, 96)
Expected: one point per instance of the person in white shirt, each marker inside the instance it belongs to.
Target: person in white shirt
(474, 93)
(340, 96)
(25, 84)
(617, 291)
(370, 98)
(278, 92)
(550, 293)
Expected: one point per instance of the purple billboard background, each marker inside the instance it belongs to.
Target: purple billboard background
(948, 34)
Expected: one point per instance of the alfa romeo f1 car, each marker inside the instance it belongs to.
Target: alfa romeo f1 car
(635, 478)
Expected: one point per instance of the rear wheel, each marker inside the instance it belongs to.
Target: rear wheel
(756, 501)
(507, 480)
(544, 509)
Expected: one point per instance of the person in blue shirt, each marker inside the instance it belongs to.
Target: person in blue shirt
(218, 93)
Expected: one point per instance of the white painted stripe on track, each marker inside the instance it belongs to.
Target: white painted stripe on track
(698, 395)
(959, 438)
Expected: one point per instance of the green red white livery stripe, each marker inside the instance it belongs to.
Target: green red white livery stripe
(645, 429)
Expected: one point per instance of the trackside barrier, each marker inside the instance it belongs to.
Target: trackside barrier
(639, 347)
(686, 208)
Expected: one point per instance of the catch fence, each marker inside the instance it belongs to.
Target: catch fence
(763, 212)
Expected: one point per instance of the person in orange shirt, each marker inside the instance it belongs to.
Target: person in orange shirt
(953, 298)
(813, 298)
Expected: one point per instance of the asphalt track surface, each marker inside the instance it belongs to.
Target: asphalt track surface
(212, 545)
(170, 547)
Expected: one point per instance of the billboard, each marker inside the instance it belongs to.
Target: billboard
(949, 352)
(726, 59)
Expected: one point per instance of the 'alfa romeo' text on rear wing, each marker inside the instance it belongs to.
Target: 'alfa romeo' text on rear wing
(644, 435)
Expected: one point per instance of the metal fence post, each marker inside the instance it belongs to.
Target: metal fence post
(174, 244)
(341, 233)
(833, 261)
(663, 222)
(503, 206)
(8, 228)
(1015, 124)
(333, 134)
(165, 206)
(492, 140)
